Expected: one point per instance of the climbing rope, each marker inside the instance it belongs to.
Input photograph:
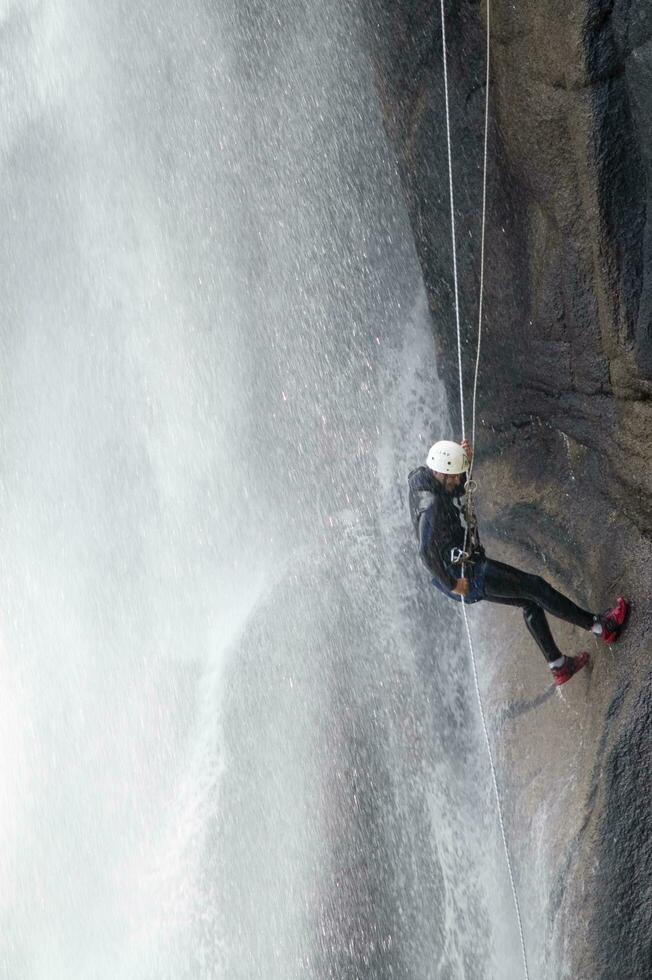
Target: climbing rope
(452, 204)
(470, 487)
(482, 238)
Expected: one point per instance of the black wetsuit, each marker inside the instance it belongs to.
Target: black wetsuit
(437, 517)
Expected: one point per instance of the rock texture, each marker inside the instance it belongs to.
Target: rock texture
(564, 440)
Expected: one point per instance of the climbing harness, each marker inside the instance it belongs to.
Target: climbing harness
(471, 556)
(459, 557)
(471, 486)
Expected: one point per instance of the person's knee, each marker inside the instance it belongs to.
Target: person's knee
(537, 589)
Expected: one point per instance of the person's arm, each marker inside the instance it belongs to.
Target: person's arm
(429, 554)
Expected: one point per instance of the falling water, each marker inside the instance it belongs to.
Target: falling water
(232, 744)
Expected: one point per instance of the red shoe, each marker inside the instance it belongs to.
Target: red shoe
(570, 667)
(614, 620)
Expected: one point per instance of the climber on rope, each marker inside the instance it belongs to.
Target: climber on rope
(450, 548)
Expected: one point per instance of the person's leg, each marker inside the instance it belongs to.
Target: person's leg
(534, 595)
(505, 582)
(537, 624)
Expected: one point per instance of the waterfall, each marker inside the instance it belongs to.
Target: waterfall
(236, 738)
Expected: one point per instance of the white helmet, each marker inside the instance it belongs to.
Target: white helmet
(447, 457)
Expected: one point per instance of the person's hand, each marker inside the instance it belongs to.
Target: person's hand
(461, 587)
(466, 446)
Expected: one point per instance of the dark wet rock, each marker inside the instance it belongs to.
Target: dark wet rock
(622, 887)
(564, 440)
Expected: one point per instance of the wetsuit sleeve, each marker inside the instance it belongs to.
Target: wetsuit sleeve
(429, 553)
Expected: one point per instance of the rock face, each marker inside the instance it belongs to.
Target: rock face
(564, 431)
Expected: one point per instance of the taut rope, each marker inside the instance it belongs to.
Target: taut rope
(470, 484)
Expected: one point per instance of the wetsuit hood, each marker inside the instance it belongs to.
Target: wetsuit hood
(423, 478)
(423, 489)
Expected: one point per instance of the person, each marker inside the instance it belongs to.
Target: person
(450, 548)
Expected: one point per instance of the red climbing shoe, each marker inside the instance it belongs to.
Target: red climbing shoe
(614, 620)
(570, 666)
